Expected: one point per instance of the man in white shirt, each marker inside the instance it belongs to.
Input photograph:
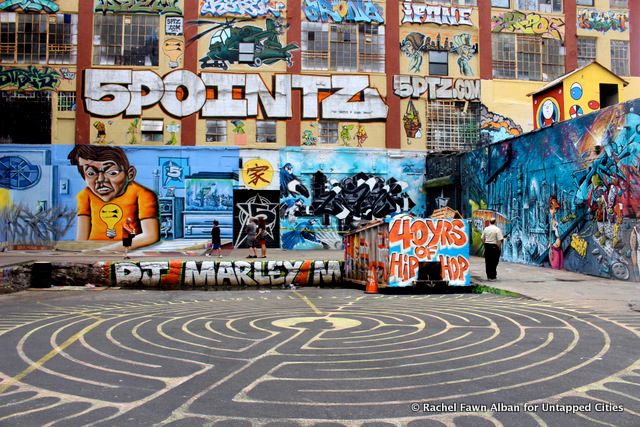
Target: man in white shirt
(492, 239)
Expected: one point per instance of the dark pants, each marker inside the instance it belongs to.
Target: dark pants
(491, 259)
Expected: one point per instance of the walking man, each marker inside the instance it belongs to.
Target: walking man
(492, 239)
(251, 229)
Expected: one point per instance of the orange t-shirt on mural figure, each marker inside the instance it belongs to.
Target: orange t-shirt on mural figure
(137, 202)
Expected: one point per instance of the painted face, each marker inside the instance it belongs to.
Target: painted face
(105, 179)
(547, 109)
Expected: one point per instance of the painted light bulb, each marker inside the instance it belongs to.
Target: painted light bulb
(111, 214)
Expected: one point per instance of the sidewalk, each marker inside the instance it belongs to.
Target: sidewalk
(559, 286)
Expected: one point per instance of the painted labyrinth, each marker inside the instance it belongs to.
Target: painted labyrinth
(311, 357)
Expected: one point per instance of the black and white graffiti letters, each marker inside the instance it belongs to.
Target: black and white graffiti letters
(436, 87)
(109, 93)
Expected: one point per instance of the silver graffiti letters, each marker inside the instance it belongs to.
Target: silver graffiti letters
(420, 13)
(436, 87)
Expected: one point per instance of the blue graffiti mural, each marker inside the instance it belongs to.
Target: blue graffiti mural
(569, 195)
(252, 8)
(343, 11)
(17, 173)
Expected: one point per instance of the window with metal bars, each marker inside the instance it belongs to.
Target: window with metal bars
(38, 38)
(452, 125)
(521, 57)
(586, 50)
(216, 131)
(266, 131)
(343, 47)
(66, 101)
(540, 5)
(327, 132)
(584, 2)
(126, 40)
(620, 57)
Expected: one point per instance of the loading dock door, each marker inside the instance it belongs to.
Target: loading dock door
(26, 117)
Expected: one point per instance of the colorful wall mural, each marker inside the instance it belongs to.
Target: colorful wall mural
(180, 274)
(33, 78)
(495, 127)
(29, 6)
(417, 12)
(324, 194)
(528, 23)
(603, 21)
(358, 11)
(570, 195)
(252, 8)
(162, 7)
(416, 45)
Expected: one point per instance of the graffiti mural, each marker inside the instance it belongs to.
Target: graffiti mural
(252, 8)
(254, 204)
(436, 87)
(248, 44)
(569, 194)
(413, 241)
(603, 21)
(162, 7)
(42, 226)
(29, 78)
(421, 13)
(109, 93)
(29, 6)
(339, 11)
(324, 194)
(181, 274)
(411, 122)
(462, 45)
(173, 49)
(528, 23)
(18, 173)
(495, 127)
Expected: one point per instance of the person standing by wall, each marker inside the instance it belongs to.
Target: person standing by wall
(251, 237)
(262, 236)
(128, 233)
(216, 243)
(492, 239)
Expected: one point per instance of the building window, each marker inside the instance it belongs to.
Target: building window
(624, 4)
(266, 131)
(584, 2)
(438, 63)
(540, 5)
(586, 50)
(343, 47)
(620, 57)
(152, 130)
(38, 39)
(327, 132)
(126, 40)
(453, 125)
(216, 131)
(523, 57)
(500, 3)
(66, 101)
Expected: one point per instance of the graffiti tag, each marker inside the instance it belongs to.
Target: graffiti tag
(343, 11)
(436, 87)
(603, 21)
(210, 274)
(415, 240)
(112, 92)
(252, 8)
(162, 7)
(579, 244)
(67, 74)
(420, 13)
(528, 23)
(31, 77)
(30, 6)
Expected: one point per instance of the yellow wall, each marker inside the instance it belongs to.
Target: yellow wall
(589, 80)
(509, 98)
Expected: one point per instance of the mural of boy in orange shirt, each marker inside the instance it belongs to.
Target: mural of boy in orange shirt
(111, 196)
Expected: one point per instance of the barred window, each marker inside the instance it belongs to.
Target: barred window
(327, 132)
(500, 3)
(343, 47)
(453, 125)
(540, 5)
(620, 57)
(619, 3)
(216, 131)
(584, 2)
(523, 57)
(152, 130)
(126, 40)
(266, 131)
(66, 101)
(38, 38)
(586, 50)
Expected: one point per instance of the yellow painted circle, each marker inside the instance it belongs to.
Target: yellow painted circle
(337, 323)
(257, 173)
